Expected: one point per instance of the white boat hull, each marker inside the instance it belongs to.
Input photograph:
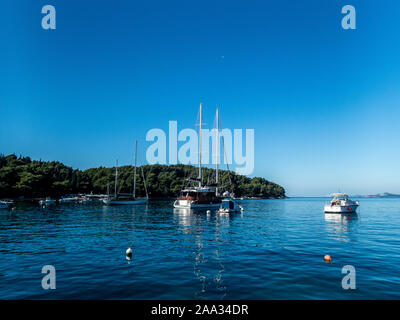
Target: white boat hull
(188, 204)
(65, 200)
(224, 211)
(340, 209)
(47, 202)
(5, 205)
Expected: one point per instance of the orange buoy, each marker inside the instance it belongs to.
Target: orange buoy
(328, 258)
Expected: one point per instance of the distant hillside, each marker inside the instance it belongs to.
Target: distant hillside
(21, 176)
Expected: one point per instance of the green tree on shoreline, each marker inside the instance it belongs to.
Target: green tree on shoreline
(21, 176)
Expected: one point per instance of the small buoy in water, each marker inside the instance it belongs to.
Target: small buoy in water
(129, 253)
(328, 258)
(208, 211)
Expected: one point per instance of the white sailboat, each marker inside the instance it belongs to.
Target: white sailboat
(126, 198)
(201, 197)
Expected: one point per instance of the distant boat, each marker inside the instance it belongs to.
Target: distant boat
(68, 199)
(6, 204)
(341, 203)
(228, 206)
(84, 200)
(126, 198)
(201, 197)
(47, 201)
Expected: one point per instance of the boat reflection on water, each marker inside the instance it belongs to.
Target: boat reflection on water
(191, 218)
(184, 217)
(341, 217)
(341, 225)
(208, 253)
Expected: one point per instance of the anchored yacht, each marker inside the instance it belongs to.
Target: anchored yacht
(198, 198)
(201, 197)
(341, 203)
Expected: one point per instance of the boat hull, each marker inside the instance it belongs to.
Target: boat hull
(225, 211)
(5, 205)
(47, 202)
(124, 202)
(66, 200)
(340, 209)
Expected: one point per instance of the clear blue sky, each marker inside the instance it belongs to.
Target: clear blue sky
(324, 102)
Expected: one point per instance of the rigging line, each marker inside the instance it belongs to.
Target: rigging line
(144, 183)
(227, 164)
(184, 184)
(223, 145)
(134, 172)
(120, 186)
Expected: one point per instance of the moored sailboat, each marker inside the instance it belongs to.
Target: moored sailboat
(201, 197)
(126, 198)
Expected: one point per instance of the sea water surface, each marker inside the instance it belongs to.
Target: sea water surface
(273, 250)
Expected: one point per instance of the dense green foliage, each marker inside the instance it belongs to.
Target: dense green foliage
(24, 177)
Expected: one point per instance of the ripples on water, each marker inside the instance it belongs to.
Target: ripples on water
(273, 250)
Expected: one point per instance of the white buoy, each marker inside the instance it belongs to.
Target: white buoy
(129, 253)
(208, 211)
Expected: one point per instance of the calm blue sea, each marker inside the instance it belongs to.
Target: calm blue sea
(273, 250)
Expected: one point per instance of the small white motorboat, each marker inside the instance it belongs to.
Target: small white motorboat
(6, 204)
(47, 201)
(84, 200)
(228, 205)
(341, 203)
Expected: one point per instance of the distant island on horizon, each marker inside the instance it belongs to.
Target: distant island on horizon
(378, 195)
(22, 177)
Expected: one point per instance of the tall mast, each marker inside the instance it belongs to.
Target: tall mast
(134, 175)
(201, 107)
(217, 155)
(116, 180)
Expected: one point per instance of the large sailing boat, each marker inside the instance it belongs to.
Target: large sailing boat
(126, 198)
(201, 197)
